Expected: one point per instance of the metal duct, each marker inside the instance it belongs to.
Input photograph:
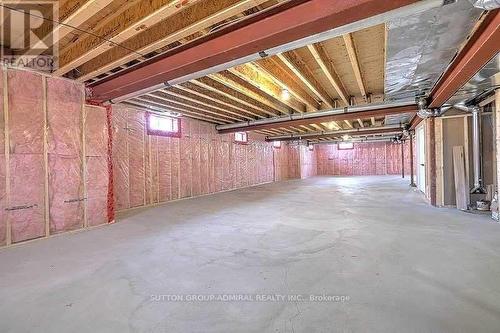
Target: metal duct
(356, 131)
(476, 149)
(312, 115)
(486, 4)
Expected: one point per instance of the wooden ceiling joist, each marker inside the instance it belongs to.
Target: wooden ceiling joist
(180, 101)
(353, 57)
(130, 23)
(241, 93)
(72, 13)
(261, 82)
(274, 68)
(139, 102)
(326, 66)
(180, 107)
(203, 102)
(298, 67)
(201, 90)
(198, 17)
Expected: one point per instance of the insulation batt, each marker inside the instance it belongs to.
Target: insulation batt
(199, 162)
(51, 155)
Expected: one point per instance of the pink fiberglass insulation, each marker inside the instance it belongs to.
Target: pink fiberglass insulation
(65, 193)
(96, 149)
(26, 196)
(155, 182)
(186, 160)
(195, 159)
(377, 158)
(137, 172)
(204, 151)
(120, 158)
(3, 198)
(137, 176)
(64, 115)
(165, 168)
(175, 168)
(199, 162)
(26, 122)
(308, 163)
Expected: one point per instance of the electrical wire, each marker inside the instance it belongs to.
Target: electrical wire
(72, 27)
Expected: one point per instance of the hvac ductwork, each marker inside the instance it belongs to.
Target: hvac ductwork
(476, 149)
(486, 4)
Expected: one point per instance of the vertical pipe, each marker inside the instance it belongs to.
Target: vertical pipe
(476, 149)
(403, 159)
(412, 176)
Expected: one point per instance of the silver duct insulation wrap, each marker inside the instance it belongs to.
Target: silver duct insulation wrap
(420, 47)
(486, 4)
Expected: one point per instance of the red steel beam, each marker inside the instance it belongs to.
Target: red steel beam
(482, 46)
(351, 134)
(325, 119)
(286, 23)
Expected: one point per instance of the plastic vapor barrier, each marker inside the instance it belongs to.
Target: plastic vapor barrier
(370, 158)
(151, 169)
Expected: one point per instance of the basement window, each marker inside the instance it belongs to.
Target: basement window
(163, 125)
(241, 137)
(277, 144)
(346, 145)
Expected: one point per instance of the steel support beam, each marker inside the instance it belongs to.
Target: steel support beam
(280, 25)
(341, 116)
(482, 46)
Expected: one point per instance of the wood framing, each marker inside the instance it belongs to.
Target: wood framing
(326, 66)
(351, 51)
(128, 24)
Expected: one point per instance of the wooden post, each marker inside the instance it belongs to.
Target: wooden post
(412, 175)
(46, 159)
(8, 228)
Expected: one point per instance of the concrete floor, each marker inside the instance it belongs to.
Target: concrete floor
(404, 266)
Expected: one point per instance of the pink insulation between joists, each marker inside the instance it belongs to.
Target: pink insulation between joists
(64, 115)
(26, 167)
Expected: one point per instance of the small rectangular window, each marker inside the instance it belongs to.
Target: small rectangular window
(346, 145)
(163, 125)
(277, 144)
(241, 137)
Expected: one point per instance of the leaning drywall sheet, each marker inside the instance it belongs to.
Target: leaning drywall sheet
(64, 119)
(26, 167)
